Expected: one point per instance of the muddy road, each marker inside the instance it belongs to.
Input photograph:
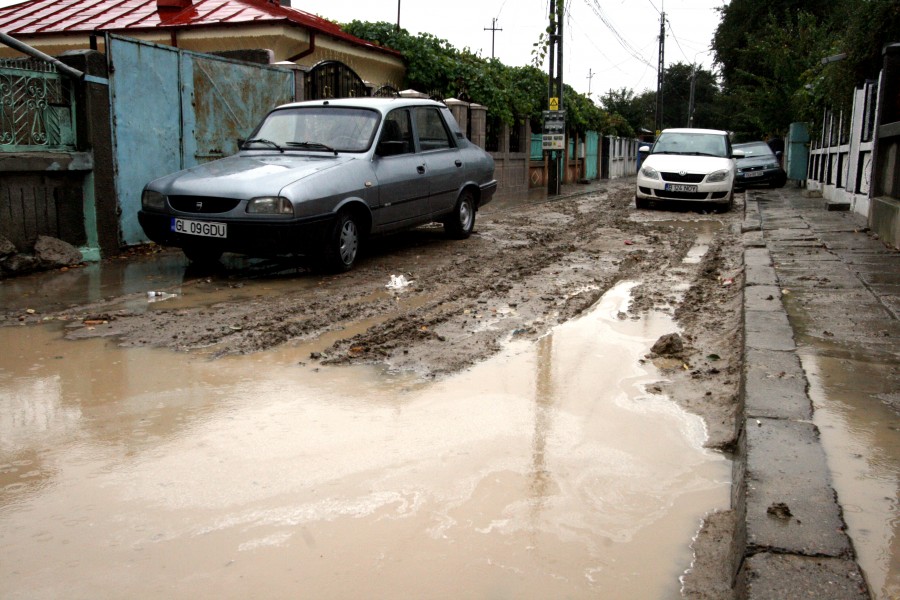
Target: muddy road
(525, 269)
(427, 309)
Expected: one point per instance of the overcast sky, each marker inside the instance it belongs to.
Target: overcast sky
(615, 42)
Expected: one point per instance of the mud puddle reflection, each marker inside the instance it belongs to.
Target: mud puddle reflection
(548, 471)
(862, 441)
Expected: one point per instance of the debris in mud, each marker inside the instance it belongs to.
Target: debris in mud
(398, 282)
(779, 510)
(154, 296)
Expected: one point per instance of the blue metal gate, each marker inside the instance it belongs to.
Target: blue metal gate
(591, 154)
(173, 109)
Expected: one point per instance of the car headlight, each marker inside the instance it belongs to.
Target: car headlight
(151, 200)
(270, 205)
(717, 176)
(649, 172)
(772, 166)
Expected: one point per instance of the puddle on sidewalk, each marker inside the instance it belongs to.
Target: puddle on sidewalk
(547, 471)
(861, 436)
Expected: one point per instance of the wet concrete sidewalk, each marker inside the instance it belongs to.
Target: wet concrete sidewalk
(822, 295)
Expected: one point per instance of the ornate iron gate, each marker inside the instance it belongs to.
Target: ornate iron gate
(334, 79)
(36, 107)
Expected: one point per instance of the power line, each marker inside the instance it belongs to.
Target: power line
(677, 43)
(595, 6)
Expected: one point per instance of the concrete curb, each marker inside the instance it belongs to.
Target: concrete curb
(791, 540)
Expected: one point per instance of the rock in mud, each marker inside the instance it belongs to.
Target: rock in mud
(670, 344)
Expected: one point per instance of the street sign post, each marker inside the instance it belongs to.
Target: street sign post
(553, 140)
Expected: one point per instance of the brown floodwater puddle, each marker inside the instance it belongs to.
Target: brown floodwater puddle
(705, 231)
(861, 437)
(549, 470)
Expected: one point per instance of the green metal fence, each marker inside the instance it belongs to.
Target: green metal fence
(37, 108)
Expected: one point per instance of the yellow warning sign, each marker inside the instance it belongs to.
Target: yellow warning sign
(554, 103)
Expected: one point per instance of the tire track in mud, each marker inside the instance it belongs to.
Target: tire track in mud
(533, 285)
(525, 270)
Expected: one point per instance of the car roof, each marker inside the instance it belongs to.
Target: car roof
(380, 104)
(752, 144)
(694, 130)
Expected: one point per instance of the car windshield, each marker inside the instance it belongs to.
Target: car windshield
(317, 129)
(754, 149)
(697, 144)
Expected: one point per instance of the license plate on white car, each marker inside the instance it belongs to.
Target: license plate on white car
(680, 187)
(201, 228)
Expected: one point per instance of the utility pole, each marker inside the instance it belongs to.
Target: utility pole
(589, 78)
(398, 15)
(661, 69)
(554, 118)
(690, 119)
(493, 29)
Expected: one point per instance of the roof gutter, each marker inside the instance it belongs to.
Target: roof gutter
(34, 52)
(308, 51)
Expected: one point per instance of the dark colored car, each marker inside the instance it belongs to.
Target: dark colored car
(759, 166)
(318, 178)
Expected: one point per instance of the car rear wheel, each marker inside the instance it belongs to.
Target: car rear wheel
(460, 224)
(341, 244)
(202, 256)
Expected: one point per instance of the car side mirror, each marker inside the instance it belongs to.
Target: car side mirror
(390, 148)
(737, 154)
(644, 149)
(778, 154)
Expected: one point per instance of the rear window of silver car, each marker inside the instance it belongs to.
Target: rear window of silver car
(755, 149)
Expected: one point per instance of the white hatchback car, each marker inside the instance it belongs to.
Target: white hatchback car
(688, 165)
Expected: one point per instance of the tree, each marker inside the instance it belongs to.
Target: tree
(511, 94)
(640, 110)
(628, 107)
(772, 58)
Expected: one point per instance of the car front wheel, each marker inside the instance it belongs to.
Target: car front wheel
(341, 244)
(460, 224)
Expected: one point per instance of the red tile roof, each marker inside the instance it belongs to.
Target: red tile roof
(49, 17)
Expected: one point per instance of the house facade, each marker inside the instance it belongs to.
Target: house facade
(185, 78)
(289, 35)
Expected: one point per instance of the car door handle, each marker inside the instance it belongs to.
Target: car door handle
(421, 169)
(458, 163)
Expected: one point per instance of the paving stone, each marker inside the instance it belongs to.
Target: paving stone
(775, 386)
(763, 297)
(767, 330)
(768, 576)
(791, 506)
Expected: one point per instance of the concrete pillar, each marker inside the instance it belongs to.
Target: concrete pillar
(478, 128)
(92, 102)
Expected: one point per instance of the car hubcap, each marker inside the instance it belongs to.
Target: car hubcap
(465, 215)
(349, 242)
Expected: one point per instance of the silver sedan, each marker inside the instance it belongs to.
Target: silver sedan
(319, 178)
